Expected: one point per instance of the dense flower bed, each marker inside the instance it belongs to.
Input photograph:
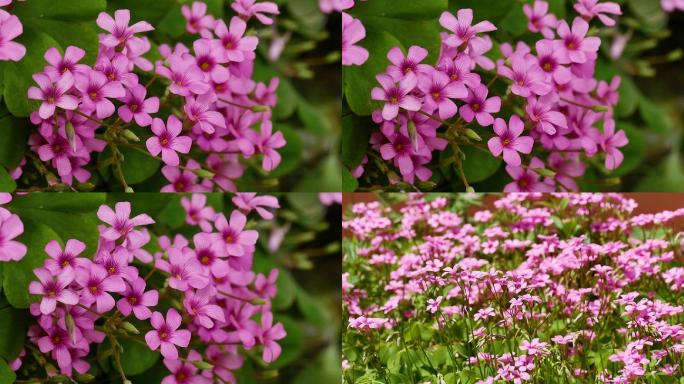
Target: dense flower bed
(538, 288)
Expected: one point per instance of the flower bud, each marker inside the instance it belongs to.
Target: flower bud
(130, 328)
(470, 189)
(601, 108)
(261, 108)
(473, 135)
(85, 378)
(129, 190)
(127, 133)
(203, 173)
(202, 365)
(545, 172)
(71, 135)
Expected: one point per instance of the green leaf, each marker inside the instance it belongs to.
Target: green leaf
(349, 182)
(355, 140)
(13, 326)
(654, 116)
(291, 153)
(18, 76)
(19, 274)
(68, 203)
(76, 225)
(65, 10)
(650, 13)
(479, 165)
(407, 10)
(7, 375)
(314, 119)
(138, 167)
(7, 183)
(313, 311)
(309, 18)
(491, 10)
(667, 177)
(151, 11)
(13, 138)
(66, 33)
(358, 81)
(136, 358)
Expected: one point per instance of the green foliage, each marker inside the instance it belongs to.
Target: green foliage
(13, 326)
(18, 274)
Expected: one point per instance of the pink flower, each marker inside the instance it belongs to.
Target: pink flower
(247, 202)
(236, 239)
(96, 90)
(167, 335)
(479, 107)
(526, 179)
(136, 300)
(136, 107)
(208, 60)
(11, 226)
(528, 78)
(574, 46)
(119, 31)
(53, 289)
(509, 141)
(205, 120)
(461, 27)
(439, 90)
(352, 32)
(121, 224)
(197, 212)
(117, 69)
(197, 19)
(592, 8)
(236, 46)
(267, 143)
(52, 94)
(539, 112)
(68, 64)
(403, 66)
(539, 20)
(184, 371)
(396, 95)
(96, 286)
(186, 78)
(184, 270)
(62, 260)
(248, 8)
(10, 28)
(549, 62)
(611, 141)
(269, 335)
(198, 306)
(167, 141)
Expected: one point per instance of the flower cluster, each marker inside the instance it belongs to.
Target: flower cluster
(208, 302)
(529, 288)
(11, 226)
(557, 114)
(209, 120)
(10, 29)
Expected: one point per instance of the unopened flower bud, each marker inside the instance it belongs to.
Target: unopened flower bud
(84, 187)
(203, 173)
(71, 135)
(130, 328)
(85, 378)
(473, 135)
(613, 181)
(470, 189)
(545, 172)
(261, 108)
(601, 108)
(129, 190)
(127, 133)
(427, 185)
(202, 365)
(257, 301)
